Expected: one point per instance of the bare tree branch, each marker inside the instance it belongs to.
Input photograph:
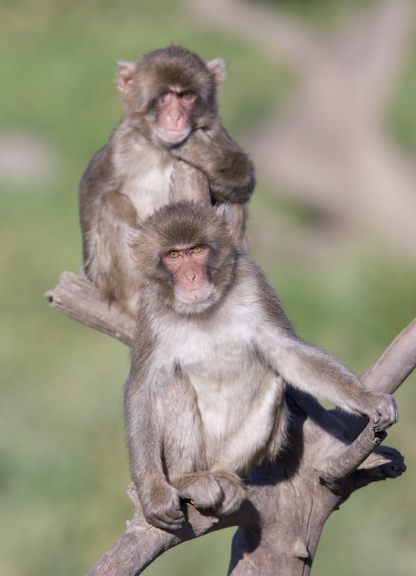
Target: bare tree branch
(142, 543)
(395, 364)
(78, 298)
(386, 374)
(343, 464)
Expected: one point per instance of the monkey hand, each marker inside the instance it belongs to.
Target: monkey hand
(381, 410)
(202, 490)
(196, 150)
(234, 493)
(161, 506)
(222, 493)
(229, 170)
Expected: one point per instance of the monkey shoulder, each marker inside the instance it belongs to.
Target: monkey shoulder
(101, 170)
(266, 296)
(98, 177)
(251, 281)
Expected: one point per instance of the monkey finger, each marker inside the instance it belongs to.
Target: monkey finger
(388, 413)
(162, 507)
(375, 418)
(171, 520)
(386, 420)
(168, 526)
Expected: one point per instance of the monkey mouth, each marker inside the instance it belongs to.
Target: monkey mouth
(172, 136)
(198, 295)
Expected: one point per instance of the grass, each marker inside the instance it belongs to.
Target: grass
(64, 465)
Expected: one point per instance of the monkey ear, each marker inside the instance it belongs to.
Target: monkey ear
(217, 68)
(225, 211)
(124, 80)
(131, 238)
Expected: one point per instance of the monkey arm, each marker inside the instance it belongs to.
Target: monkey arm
(188, 183)
(310, 368)
(105, 215)
(142, 431)
(320, 374)
(159, 500)
(230, 171)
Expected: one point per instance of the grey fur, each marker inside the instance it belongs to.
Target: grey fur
(205, 400)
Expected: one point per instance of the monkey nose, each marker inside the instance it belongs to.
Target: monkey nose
(174, 117)
(190, 277)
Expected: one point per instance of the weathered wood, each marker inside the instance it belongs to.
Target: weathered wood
(387, 373)
(395, 364)
(78, 298)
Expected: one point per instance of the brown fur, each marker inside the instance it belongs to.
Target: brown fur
(131, 175)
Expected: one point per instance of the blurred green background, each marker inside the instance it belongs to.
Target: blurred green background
(63, 459)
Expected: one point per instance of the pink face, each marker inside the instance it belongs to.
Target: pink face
(188, 265)
(173, 123)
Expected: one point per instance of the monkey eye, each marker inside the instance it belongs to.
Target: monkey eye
(187, 94)
(197, 249)
(173, 254)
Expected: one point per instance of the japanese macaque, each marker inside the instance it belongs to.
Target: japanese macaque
(213, 349)
(170, 117)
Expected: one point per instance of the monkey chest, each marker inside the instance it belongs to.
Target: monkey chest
(149, 190)
(146, 176)
(223, 372)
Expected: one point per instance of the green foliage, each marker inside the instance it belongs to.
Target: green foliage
(64, 464)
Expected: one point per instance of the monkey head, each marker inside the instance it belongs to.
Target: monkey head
(186, 252)
(170, 92)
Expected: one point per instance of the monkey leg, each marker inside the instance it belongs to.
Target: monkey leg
(188, 183)
(106, 259)
(184, 446)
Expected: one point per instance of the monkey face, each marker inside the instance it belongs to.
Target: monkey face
(169, 92)
(174, 116)
(185, 251)
(188, 266)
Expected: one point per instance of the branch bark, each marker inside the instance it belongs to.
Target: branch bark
(395, 364)
(78, 298)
